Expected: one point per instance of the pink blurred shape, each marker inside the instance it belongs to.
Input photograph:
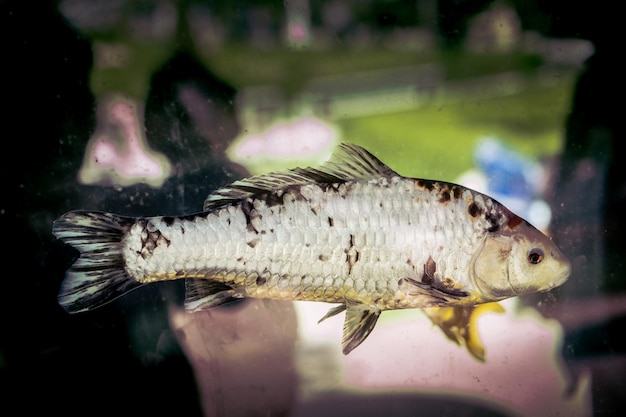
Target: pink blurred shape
(242, 357)
(301, 137)
(118, 152)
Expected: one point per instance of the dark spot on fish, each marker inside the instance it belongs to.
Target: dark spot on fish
(273, 199)
(150, 240)
(271, 230)
(148, 248)
(514, 221)
(352, 255)
(430, 267)
(427, 185)
(252, 243)
(247, 207)
(329, 187)
(331, 222)
(322, 257)
(314, 211)
(168, 220)
(337, 186)
(280, 197)
(260, 280)
(473, 210)
(456, 192)
(444, 197)
(493, 220)
(307, 245)
(493, 228)
(409, 262)
(239, 259)
(295, 191)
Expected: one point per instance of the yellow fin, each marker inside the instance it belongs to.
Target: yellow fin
(460, 324)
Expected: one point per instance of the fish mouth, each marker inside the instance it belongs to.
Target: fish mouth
(561, 276)
(565, 272)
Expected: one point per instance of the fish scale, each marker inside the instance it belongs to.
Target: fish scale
(352, 232)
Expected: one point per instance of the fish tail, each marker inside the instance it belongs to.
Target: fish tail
(98, 276)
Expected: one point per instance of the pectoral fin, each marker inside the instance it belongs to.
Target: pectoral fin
(431, 293)
(359, 323)
(460, 324)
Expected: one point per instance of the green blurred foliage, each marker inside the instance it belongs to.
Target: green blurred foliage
(437, 141)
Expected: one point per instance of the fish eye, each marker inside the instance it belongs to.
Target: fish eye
(535, 256)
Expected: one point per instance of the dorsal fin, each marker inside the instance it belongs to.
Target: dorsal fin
(348, 162)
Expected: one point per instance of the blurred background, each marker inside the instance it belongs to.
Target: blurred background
(143, 107)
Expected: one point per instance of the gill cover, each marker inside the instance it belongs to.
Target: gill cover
(491, 268)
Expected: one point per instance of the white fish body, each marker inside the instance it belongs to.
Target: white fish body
(352, 232)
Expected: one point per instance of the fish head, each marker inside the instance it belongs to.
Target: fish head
(518, 260)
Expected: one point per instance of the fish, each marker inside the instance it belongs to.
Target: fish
(351, 231)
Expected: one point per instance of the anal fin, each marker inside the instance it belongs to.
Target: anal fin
(202, 294)
(359, 323)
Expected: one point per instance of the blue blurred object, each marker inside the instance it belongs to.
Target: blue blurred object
(508, 173)
(514, 180)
